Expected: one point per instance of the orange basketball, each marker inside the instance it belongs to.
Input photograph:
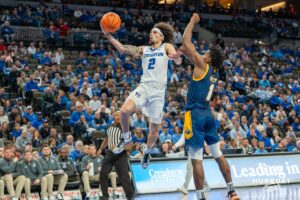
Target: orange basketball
(110, 22)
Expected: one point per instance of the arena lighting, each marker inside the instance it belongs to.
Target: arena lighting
(169, 1)
(275, 6)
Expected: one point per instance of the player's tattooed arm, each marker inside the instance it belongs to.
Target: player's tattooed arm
(133, 50)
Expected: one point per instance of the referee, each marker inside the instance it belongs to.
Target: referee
(115, 157)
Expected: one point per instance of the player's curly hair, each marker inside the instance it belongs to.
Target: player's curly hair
(217, 58)
(167, 30)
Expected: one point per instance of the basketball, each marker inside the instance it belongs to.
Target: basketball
(110, 22)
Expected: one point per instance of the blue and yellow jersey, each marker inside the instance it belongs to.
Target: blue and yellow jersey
(200, 90)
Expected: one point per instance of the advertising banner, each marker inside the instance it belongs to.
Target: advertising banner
(168, 175)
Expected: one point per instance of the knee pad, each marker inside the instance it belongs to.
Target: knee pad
(195, 154)
(215, 150)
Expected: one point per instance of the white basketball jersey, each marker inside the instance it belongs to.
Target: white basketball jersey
(155, 67)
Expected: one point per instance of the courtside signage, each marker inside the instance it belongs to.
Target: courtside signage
(168, 175)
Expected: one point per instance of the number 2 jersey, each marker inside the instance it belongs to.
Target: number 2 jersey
(155, 67)
(200, 90)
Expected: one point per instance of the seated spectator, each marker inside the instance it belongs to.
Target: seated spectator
(164, 135)
(32, 170)
(7, 32)
(90, 168)
(254, 144)
(38, 122)
(75, 117)
(266, 140)
(89, 115)
(22, 140)
(5, 132)
(98, 123)
(37, 140)
(81, 129)
(139, 122)
(246, 147)
(17, 131)
(31, 49)
(82, 60)
(177, 135)
(138, 136)
(166, 148)
(53, 173)
(296, 126)
(46, 60)
(3, 116)
(95, 103)
(69, 142)
(10, 175)
(261, 148)
(45, 130)
(237, 130)
(67, 165)
(77, 154)
(264, 82)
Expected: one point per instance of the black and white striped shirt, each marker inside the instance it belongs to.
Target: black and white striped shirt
(114, 134)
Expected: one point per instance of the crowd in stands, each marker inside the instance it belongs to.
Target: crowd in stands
(57, 104)
(60, 20)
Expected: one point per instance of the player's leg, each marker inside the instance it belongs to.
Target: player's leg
(154, 110)
(189, 173)
(135, 101)
(196, 156)
(212, 139)
(152, 138)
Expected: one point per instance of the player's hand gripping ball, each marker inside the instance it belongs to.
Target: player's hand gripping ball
(110, 22)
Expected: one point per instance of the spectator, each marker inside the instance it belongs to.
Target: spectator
(177, 135)
(7, 32)
(261, 148)
(75, 117)
(98, 123)
(10, 175)
(139, 122)
(45, 130)
(53, 173)
(138, 136)
(38, 122)
(164, 135)
(90, 168)
(31, 49)
(77, 154)
(67, 164)
(296, 125)
(246, 147)
(95, 103)
(33, 172)
(22, 141)
(37, 140)
(264, 82)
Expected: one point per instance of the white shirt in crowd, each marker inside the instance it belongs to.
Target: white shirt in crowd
(31, 50)
(95, 105)
(59, 57)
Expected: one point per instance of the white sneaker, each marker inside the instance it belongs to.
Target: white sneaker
(14, 198)
(59, 196)
(183, 190)
(52, 198)
(44, 198)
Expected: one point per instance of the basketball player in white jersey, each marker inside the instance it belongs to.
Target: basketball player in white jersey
(150, 94)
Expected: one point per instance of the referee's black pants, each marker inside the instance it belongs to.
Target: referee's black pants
(120, 162)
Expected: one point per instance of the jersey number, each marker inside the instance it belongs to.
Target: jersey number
(210, 92)
(151, 63)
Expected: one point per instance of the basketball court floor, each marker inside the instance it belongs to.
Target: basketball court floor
(279, 192)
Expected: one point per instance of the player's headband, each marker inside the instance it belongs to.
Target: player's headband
(158, 31)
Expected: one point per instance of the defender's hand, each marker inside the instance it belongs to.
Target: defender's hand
(195, 18)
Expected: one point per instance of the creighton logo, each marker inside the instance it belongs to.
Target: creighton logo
(213, 79)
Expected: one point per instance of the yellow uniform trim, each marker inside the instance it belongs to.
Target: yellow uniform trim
(188, 127)
(203, 75)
